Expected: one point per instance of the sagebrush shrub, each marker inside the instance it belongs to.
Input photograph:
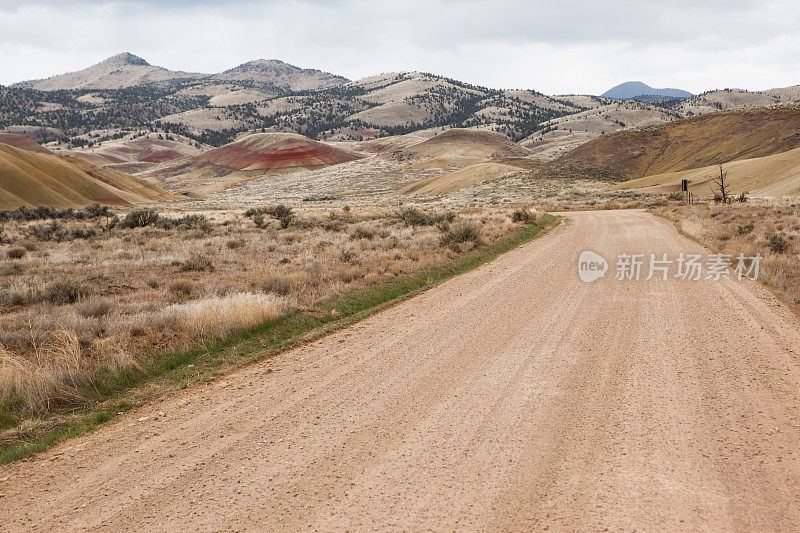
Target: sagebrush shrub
(95, 307)
(521, 215)
(17, 252)
(140, 218)
(197, 263)
(182, 287)
(744, 229)
(461, 232)
(777, 243)
(413, 217)
(65, 291)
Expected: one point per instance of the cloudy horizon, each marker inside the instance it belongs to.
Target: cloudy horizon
(575, 47)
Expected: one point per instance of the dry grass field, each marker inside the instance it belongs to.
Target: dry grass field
(769, 227)
(80, 294)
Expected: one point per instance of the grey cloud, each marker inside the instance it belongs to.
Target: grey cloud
(491, 42)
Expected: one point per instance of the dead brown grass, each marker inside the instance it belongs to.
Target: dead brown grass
(110, 296)
(750, 228)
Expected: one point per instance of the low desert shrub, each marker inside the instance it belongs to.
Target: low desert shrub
(198, 222)
(413, 217)
(182, 287)
(284, 283)
(197, 263)
(96, 211)
(140, 218)
(260, 221)
(744, 229)
(346, 274)
(49, 231)
(527, 216)
(362, 232)
(281, 213)
(21, 294)
(277, 284)
(82, 233)
(777, 243)
(65, 291)
(461, 232)
(95, 307)
(521, 215)
(16, 252)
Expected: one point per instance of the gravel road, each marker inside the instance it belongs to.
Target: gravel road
(514, 397)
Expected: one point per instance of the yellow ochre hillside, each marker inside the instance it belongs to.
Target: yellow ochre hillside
(691, 143)
(29, 178)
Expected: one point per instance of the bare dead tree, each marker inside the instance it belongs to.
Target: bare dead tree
(722, 187)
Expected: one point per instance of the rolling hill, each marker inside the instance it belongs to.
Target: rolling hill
(277, 75)
(730, 99)
(127, 70)
(691, 143)
(772, 175)
(30, 178)
(126, 96)
(460, 179)
(463, 147)
(250, 157)
(603, 116)
(23, 142)
(136, 154)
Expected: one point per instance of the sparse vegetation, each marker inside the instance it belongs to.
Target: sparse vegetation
(462, 232)
(182, 287)
(95, 307)
(767, 227)
(85, 352)
(777, 244)
(16, 252)
(140, 218)
(65, 291)
(526, 216)
(283, 214)
(197, 263)
(158, 281)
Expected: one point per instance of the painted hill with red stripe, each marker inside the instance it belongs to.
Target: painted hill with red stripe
(135, 155)
(23, 142)
(250, 157)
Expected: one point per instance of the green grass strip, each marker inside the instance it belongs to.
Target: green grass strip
(112, 393)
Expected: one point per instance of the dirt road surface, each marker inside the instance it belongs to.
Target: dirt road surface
(514, 397)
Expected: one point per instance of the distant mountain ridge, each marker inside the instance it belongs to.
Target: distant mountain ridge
(128, 70)
(272, 96)
(632, 89)
(117, 72)
(277, 74)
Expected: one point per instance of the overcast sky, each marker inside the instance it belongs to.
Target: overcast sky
(555, 47)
